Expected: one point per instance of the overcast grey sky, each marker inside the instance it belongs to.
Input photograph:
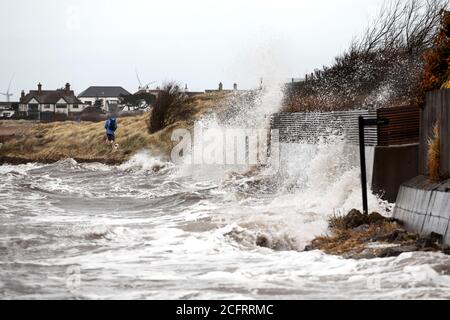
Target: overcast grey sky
(101, 42)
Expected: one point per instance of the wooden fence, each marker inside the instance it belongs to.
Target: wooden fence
(403, 127)
(436, 111)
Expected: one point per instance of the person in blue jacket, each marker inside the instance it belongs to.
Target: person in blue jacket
(111, 127)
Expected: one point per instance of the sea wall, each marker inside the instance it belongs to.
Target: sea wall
(391, 151)
(424, 206)
(309, 127)
(393, 165)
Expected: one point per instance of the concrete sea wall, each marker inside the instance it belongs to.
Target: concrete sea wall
(393, 165)
(387, 165)
(424, 206)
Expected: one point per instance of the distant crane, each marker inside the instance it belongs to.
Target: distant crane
(7, 94)
(142, 87)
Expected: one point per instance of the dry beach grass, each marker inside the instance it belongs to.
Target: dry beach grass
(25, 141)
(359, 236)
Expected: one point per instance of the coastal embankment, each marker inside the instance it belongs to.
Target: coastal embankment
(28, 141)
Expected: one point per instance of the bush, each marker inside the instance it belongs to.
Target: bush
(381, 68)
(434, 154)
(437, 59)
(171, 105)
(140, 100)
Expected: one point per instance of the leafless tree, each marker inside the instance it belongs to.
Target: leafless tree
(402, 25)
(382, 67)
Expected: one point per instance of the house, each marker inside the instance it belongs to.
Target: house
(108, 98)
(221, 89)
(156, 92)
(60, 101)
(7, 109)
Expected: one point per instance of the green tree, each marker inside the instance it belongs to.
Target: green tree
(138, 100)
(98, 103)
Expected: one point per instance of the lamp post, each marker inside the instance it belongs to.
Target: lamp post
(362, 154)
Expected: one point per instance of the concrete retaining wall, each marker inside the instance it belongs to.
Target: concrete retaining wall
(424, 207)
(387, 166)
(392, 166)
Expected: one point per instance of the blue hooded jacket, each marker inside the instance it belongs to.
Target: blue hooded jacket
(111, 125)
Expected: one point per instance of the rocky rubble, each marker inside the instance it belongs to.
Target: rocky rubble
(362, 236)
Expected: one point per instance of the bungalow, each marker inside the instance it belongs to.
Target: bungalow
(60, 101)
(108, 98)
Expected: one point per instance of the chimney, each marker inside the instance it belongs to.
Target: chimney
(22, 95)
(39, 88)
(235, 86)
(220, 86)
(67, 88)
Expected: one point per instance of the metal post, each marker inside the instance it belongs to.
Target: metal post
(362, 156)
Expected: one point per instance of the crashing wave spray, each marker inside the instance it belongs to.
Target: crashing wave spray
(280, 209)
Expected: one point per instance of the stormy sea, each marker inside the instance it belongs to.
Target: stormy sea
(152, 229)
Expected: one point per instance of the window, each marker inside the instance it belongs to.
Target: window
(47, 106)
(75, 106)
(61, 106)
(89, 103)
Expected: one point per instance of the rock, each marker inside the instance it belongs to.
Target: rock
(394, 236)
(262, 241)
(431, 242)
(366, 254)
(442, 269)
(396, 251)
(354, 219)
(361, 228)
(425, 243)
(436, 237)
(446, 250)
(375, 218)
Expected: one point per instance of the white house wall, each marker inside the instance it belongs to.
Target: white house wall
(62, 110)
(43, 107)
(47, 108)
(87, 100)
(75, 110)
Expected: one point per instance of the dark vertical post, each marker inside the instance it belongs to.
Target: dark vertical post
(362, 156)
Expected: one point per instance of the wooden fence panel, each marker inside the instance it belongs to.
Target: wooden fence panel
(403, 127)
(436, 111)
(444, 102)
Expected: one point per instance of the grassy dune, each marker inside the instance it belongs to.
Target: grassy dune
(86, 141)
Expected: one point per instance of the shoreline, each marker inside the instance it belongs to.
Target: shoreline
(19, 160)
(23, 141)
